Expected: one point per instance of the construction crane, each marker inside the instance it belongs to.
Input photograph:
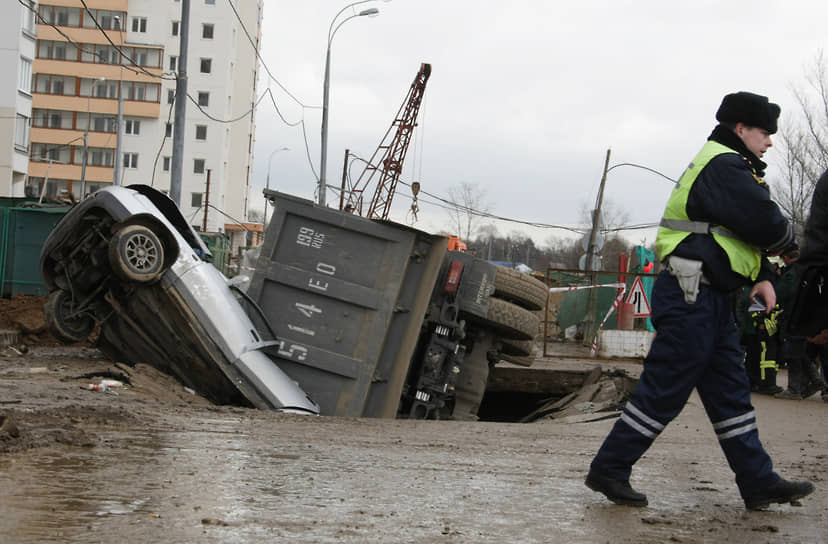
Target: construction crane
(389, 157)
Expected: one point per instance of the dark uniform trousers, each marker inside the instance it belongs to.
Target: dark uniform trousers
(696, 345)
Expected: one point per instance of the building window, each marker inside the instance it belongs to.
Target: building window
(207, 31)
(25, 80)
(173, 63)
(130, 160)
(175, 25)
(203, 98)
(198, 166)
(206, 65)
(168, 130)
(61, 16)
(201, 132)
(139, 24)
(30, 17)
(195, 200)
(170, 96)
(21, 133)
(165, 165)
(132, 126)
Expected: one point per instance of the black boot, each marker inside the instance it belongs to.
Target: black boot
(618, 491)
(768, 384)
(781, 492)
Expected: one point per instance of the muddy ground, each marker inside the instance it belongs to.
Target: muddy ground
(151, 461)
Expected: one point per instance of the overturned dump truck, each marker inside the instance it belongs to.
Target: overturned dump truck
(376, 319)
(342, 316)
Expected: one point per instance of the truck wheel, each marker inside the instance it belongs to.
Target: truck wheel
(511, 321)
(136, 254)
(519, 348)
(517, 359)
(521, 289)
(66, 327)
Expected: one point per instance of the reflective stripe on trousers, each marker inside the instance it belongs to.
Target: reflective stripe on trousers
(696, 346)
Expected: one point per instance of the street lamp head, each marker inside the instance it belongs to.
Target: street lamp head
(370, 12)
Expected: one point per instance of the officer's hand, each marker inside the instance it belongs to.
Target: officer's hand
(766, 291)
(821, 338)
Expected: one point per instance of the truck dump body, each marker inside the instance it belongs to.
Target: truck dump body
(345, 298)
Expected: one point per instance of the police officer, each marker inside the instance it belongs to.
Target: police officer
(716, 223)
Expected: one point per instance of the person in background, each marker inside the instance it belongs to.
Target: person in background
(716, 224)
(814, 253)
(803, 377)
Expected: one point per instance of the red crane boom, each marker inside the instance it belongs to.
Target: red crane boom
(392, 152)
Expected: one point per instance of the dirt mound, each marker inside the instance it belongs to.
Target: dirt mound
(22, 323)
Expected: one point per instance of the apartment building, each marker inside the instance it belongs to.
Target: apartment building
(94, 58)
(17, 52)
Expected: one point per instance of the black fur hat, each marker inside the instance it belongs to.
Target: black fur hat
(751, 109)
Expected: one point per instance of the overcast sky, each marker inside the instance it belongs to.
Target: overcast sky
(525, 97)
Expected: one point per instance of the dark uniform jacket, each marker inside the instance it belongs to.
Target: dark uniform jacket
(815, 242)
(730, 192)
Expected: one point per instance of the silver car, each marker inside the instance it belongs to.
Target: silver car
(126, 266)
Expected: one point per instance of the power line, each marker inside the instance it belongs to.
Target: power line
(264, 64)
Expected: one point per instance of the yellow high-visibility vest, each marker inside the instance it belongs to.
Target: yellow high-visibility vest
(745, 259)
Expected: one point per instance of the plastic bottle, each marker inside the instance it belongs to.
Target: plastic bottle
(103, 388)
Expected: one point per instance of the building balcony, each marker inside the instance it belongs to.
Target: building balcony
(95, 174)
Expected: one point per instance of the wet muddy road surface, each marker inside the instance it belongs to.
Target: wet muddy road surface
(156, 463)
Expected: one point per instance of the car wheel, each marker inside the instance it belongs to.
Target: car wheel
(136, 254)
(519, 288)
(62, 318)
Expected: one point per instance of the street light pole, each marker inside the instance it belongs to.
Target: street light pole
(116, 174)
(323, 162)
(86, 135)
(267, 181)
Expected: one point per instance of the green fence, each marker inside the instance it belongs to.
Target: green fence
(219, 245)
(23, 228)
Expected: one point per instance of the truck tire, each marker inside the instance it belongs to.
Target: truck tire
(517, 359)
(519, 288)
(511, 321)
(64, 326)
(136, 254)
(518, 348)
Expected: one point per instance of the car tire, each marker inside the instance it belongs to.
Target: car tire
(511, 321)
(64, 326)
(520, 289)
(136, 254)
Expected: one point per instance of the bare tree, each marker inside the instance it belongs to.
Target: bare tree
(468, 203)
(613, 217)
(804, 141)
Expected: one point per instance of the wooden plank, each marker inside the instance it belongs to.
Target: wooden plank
(550, 382)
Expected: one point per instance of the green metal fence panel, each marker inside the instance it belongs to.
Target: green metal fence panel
(219, 245)
(23, 230)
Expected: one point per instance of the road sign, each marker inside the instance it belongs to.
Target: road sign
(638, 298)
